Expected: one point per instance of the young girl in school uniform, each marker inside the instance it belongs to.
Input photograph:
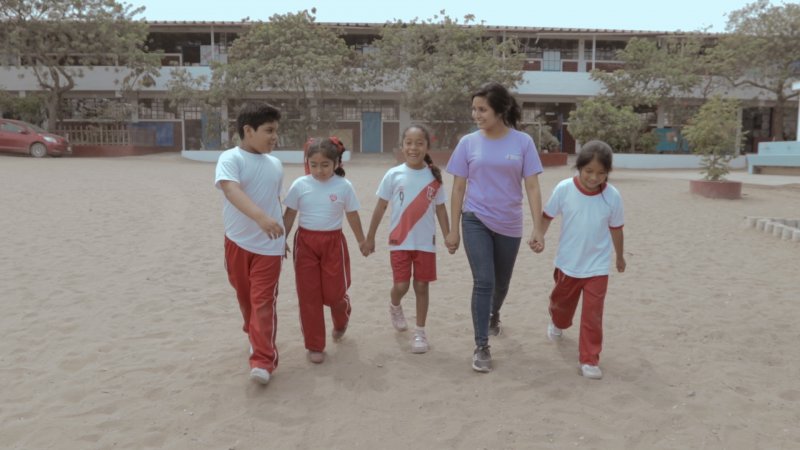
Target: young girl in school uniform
(417, 199)
(323, 198)
(591, 223)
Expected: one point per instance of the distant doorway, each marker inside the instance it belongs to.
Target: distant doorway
(371, 132)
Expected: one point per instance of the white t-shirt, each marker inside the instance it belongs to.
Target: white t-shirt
(413, 203)
(321, 205)
(261, 178)
(584, 247)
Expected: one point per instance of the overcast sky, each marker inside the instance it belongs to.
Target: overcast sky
(668, 15)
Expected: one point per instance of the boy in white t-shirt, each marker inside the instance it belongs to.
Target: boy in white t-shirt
(251, 179)
(591, 222)
(415, 192)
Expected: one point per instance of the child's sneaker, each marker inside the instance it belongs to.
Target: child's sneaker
(494, 325)
(259, 375)
(592, 372)
(316, 357)
(482, 359)
(398, 319)
(419, 343)
(337, 335)
(553, 332)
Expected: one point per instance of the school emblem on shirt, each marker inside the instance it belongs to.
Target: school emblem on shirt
(333, 197)
(430, 193)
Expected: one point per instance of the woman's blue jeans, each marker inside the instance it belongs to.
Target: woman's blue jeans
(491, 257)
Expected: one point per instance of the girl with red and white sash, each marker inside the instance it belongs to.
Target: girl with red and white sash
(414, 190)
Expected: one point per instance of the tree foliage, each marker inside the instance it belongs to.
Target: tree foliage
(714, 133)
(598, 118)
(657, 74)
(184, 89)
(660, 74)
(59, 39)
(438, 63)
(762, 50)
(29, 108)
(299, 62)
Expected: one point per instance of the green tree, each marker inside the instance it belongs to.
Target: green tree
(29, 108)
(58, 40)
(598, 118)
(663, 73)
(438, 63)
(657, 73)
(714, 133)
(299, 62)
(762, 50)
(542, 137)
(183, 90)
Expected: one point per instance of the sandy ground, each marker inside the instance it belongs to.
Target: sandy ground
(119, 328)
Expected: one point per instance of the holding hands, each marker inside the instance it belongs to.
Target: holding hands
(536, 242)
(452, 240)
(367, 246)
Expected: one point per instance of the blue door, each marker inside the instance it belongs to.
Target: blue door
(371, 132)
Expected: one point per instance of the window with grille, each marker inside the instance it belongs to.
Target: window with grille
(155, 109)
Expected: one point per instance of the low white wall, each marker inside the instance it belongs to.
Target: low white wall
(286, 156)
(654, 161)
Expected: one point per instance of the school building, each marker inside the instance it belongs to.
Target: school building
(556, 78)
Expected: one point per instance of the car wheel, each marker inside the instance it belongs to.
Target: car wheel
(38, 150)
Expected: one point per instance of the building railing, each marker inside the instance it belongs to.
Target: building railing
(107, 134)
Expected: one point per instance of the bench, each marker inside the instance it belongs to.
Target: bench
(773, 155)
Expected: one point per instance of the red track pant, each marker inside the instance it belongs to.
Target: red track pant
(255, 279)
(564, 301)
(322, 274)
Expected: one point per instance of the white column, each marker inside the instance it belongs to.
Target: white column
(796, 87)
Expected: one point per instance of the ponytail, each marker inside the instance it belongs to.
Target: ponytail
(435, 170)
(340, 151)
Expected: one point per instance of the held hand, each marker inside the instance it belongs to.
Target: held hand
(272, 228)
(367, 247)
(536, 242)
(451, 241)
(621, 264)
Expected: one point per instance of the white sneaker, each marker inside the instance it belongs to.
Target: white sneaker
(553, 332)
(419, 343)
(592, 372)
(259, 375)
(398, 318)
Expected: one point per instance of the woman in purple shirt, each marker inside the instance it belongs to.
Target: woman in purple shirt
(490, 167)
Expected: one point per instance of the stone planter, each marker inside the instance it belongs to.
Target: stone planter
(716, 189)
(553, 159)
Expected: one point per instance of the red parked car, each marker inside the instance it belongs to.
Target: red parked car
(22, 137)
